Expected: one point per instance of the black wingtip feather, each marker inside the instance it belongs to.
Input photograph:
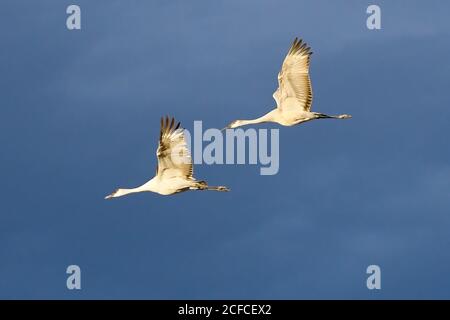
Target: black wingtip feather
(168, 125)
(299, 46)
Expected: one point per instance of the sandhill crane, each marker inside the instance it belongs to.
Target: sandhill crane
(174, 173)
(294, 93)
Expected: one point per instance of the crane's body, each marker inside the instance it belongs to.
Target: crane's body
(294, 93)
(174, 173)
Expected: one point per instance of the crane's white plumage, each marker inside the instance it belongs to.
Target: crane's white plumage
(294, 94)
(174, 173)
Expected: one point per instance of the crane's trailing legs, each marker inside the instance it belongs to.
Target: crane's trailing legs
(202, 185)
(325, 116)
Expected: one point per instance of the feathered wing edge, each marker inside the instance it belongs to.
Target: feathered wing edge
(293, 78)
(170, 131)
(167, 131)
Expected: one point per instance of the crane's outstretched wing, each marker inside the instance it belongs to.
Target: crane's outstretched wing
(293, 78)
(174, 159)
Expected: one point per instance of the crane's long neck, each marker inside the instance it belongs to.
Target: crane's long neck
(148, 186)
(268, 117)
(123, 191)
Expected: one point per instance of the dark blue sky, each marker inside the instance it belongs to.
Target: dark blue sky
(80, 116)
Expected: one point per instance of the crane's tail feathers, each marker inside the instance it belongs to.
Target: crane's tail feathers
(202, 185)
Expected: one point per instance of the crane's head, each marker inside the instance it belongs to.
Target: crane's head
(234, 124)
(115, 194)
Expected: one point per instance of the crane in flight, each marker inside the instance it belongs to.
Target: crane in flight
(174, 173)
(294, 93)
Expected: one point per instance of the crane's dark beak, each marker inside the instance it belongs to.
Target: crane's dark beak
(228, 126)
(110, 196)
